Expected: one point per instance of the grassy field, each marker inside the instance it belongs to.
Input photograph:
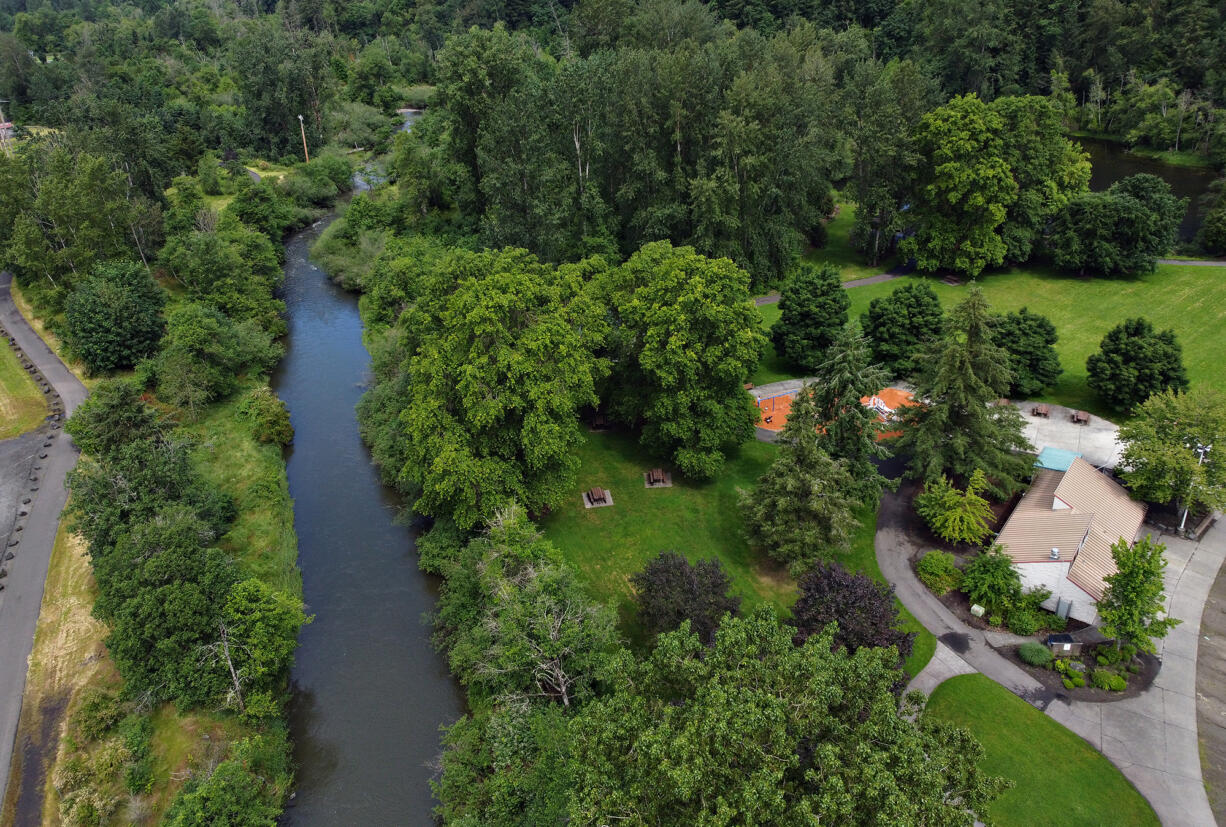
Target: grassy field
(1059, 778)
(21, 403)
(838, 250)
(1191, 300)
(699, 520)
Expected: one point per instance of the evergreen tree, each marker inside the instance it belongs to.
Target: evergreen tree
(1134, 362)
(801, 509)
(899, 326)
(956, 428)
(1029, 340)
(850, 430)
(812, 310)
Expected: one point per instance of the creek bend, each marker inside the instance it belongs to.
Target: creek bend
(369, 689)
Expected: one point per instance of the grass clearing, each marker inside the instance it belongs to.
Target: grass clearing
(700, 520)
(228, 455)
(1189, 299)
(45, 333)
(838, 250)
(1059, 778)
(22, 406)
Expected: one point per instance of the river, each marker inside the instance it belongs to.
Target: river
(369, 690)
(1111, 162)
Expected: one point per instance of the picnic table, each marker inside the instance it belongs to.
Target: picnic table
(1081, 417)
(656, 476)
(597, 496)
(1041, 410)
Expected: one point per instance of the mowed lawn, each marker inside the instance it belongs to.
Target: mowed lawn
(1059, 779)
(1188, 299)
(839, 252)
(21, 403)
(699, 520)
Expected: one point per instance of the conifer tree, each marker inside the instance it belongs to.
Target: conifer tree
(956, 429)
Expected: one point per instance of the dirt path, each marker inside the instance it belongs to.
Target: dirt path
(35, 532)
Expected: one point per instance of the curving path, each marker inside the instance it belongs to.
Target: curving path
(1152, 738)
(23, 587)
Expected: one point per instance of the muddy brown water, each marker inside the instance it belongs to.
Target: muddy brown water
(369, 690)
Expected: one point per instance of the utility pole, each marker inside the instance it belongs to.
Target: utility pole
(4, 141)
(302, 126)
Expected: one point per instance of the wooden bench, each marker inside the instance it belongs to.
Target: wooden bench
(1041, 410)
(597, 496)
(1081, 417)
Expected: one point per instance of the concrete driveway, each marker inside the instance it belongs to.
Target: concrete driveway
(22, 596)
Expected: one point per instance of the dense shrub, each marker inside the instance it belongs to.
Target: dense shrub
(670, 590)
(1054, 623)
(114, 317)
(1036, 654)
(268, 415)
(937, 571)
(1023, 622)
(1101, 678)
(991, 580)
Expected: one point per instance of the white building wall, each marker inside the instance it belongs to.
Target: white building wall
(1053, 576)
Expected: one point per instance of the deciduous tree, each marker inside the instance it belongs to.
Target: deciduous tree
(114, 317)
(812, 310)
(1133, 606)
(900, 325)
(1029, 340)
(1163, 441)
(670, 590)
(863, 609)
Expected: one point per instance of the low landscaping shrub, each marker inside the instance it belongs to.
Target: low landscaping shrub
(1078, 679)
(1023, 623)
(1101, 678)
(937, 571)
(1134, 668)
(1116, 683)
(1054, 623)
(995, 620)
(1068, 684)
(1035, 654)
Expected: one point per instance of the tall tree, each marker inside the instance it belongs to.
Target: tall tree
(801, 508)
(1133, 606)
(1134, 362)
(1173, 447)
(899, 326)
(863, 609)
(114, 318)
(670, 590)
(1029, 339)
(812, 310)
(500, 362)
(963, 191)
(686, 336)
(758, 730)
(957, 429)
(850, 431)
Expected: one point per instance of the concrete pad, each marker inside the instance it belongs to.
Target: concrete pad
(1097, 442)
(587, 502)
(945, 664)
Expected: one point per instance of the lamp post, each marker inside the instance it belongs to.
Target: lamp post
(1201, 450)
(302, 126)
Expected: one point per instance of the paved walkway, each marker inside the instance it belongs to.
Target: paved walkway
(23, 593)
(1152, 737)
(1194, 262)
(897, 272)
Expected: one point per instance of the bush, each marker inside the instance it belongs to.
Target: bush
(1023, 622)
(1101, 678)
(1116, 683)
(937, 571)
(995, 620)
(1054, 623)
(1035, 654)
(991, 580)
(1108, 655)
(956, 516)
(1078, 679)
(114, 317)
(1068, 684)
(98, 713)
(269, 416)
(1133, 668)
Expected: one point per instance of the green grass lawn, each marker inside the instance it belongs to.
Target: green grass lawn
(1189, 299)
(839, 252)
(700, 520)
(1059, 779)
(21, 404)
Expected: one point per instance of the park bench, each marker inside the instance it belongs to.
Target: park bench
(1041, 410)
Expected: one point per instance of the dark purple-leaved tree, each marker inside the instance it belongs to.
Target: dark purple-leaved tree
(670, 589)
(863, 608)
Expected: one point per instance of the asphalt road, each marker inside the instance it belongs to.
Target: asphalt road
(27, 571)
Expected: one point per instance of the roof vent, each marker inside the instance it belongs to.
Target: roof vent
(1055, 554)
